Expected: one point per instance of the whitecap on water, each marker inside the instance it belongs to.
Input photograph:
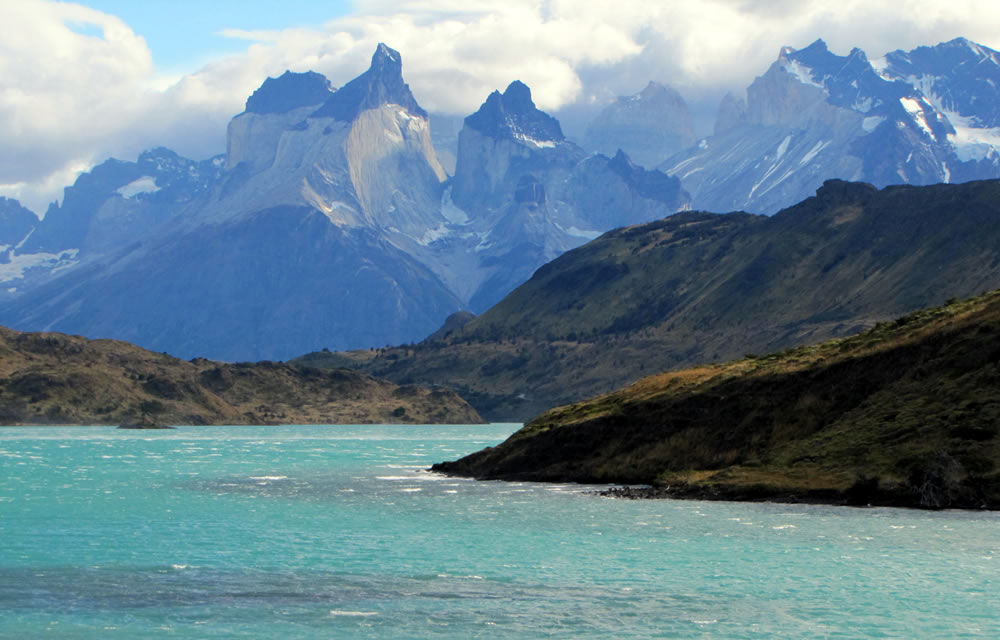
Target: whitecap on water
(353, 614)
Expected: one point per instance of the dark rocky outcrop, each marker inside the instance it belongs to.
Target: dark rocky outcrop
(288, 92)
(513, 113)
(903, 414)
(381, 84)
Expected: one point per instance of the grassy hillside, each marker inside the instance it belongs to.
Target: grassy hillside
(906, 413)
(52, 378)
(700, 287)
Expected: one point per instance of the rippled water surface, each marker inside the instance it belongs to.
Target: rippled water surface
(339, 532)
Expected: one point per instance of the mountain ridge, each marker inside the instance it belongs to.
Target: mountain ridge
(53, 378)
(905, 118)
(699, 287)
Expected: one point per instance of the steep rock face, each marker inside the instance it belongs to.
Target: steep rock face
(505, 139)
(302, 242)
(650, 126)
(278, 105)
(732, 113)
(956, 76)
(529, 194)
(816, 115)
(16, 222)
(117, 200)
(364, 156)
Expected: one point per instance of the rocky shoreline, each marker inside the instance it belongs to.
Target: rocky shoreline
(851, 498)
(646, 492)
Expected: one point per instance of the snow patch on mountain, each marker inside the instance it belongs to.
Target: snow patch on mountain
(916, 111)
(881, 65)
(538, 144)
(801, 72)
(972, 142)
(782, 148)
(451, 212)
(871, 123)
(582, 233)
(812, 153)
(433, 235)
(17, 265)
(145, 184)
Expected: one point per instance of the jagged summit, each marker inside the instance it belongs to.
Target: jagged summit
(513, 114)
(386, 59)
(16, 222)
(816, 64)
(654, 89)
(920, 117)
(381, 84)
(850, 82)
(289, 91)
(651, 184)
(959, 76)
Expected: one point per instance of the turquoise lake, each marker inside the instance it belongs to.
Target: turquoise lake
(339, 532)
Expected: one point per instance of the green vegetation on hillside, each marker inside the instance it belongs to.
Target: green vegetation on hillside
(906, 413)
(52, 378)
(701, 287)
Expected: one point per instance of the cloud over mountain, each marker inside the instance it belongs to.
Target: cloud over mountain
(80, 85)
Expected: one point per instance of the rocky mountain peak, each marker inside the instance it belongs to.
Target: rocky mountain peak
(816, 64)
(386, 56)
(650, 126)
(513, 114)
(655, 90)
(836, 191)
(16, 222)
(650, 184)
(288, 92)
(851, 82)
(622, 164)
(381, 84)
(959, 76)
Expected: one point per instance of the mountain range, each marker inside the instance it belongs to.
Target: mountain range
(330, 221)
(920, 117)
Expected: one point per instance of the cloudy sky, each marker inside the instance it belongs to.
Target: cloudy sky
(80, 82)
